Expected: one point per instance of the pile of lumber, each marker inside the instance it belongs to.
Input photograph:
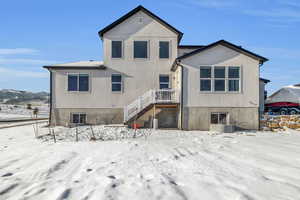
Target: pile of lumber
(280, 122)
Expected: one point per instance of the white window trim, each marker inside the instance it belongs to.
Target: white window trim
(169, 83)
(78, 113)
(148, 49)
(169, 49)
(219, 113)
(122, 50)
(78, 73)
(212, 79)
(121, 91)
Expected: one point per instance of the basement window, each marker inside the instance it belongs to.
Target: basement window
(218, 118)
(78, 118)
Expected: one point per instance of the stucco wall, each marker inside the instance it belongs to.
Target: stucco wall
(198, 118)
(221, 56)
(139, 75)
(142, 74)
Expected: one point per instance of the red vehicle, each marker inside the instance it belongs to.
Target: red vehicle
(283, 108)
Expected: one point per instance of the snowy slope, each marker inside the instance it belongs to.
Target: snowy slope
(167, 165)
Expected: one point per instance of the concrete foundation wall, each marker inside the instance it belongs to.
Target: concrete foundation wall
(61, 116)
(198, 118)
(167, 118)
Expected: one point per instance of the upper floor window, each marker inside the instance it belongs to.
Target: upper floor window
(164, 49)
(116, 82)
(140, 49)
(78, 82)
(116, 49)
(164, 81)
(219, 79)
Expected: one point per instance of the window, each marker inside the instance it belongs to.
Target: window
(164, 49)
(219, 75)
(116, 82)
(220, 79)
(234, 79)
(140, 49)
(78, 118)
(218, 118)
(205, 79)
(116, 49)
(78, 82)
(164, 81)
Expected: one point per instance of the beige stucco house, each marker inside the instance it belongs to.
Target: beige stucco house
(146, 74)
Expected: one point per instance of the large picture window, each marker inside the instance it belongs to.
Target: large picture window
(140, 49)
(116, 82)
(220, 79)
(78, 82)
(164, 49)
(116, 49)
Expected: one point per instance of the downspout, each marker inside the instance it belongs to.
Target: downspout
(50, 111)
(181, 98)
(181, 94)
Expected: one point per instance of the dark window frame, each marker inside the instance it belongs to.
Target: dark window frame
(120, 83)
(147, 49)
(112, 51)
(164, 82)
(206, 78)
(161, 56)
(79, 120)
(220, 118)
(78, 80)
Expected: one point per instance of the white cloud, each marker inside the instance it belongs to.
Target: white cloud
(6, 72)
(26, 61)
(18, 51)
(287, 14)
(277, 52)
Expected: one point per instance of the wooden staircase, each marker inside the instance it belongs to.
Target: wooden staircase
(145, 102)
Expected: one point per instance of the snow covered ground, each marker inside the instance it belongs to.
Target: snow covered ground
(167, 164)
(19, 111)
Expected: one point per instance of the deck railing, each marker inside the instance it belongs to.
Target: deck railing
(150, 97)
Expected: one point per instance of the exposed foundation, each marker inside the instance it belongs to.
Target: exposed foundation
(198, 118)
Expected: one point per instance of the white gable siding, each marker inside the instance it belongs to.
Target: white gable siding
(221, 56)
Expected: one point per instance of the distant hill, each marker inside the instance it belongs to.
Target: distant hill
(10, 96)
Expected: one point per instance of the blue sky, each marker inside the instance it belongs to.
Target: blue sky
(36, 33)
